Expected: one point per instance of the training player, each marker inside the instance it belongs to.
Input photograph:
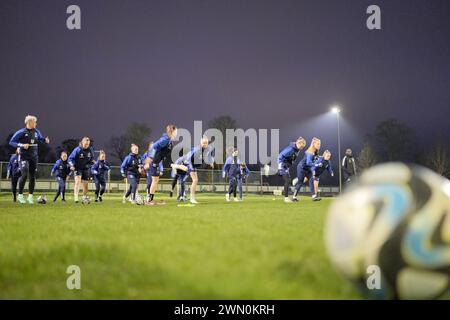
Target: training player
(232, 170)
(160, 150)
(286, 159)
(320, 165)
(61, 170)
(241, 179)
(26, 140)
(13, 172)
(131, 169)
(98, 171)
(305, 167)
(148, 173)
(199, 157)
(180, 172)
(80, 160)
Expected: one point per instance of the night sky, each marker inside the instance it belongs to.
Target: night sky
(268, 64)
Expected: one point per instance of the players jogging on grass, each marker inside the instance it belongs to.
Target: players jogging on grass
(160, 150)
(13, 173)
(80, 160)
(305, 167)
(99, 171)
(199, 157)
(321, 165)
(26, 140)
(131, 169)
(148, 173)
(232, 170)
(286, 158)
(61, 171)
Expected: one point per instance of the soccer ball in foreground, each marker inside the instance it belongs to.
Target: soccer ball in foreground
(393, 223)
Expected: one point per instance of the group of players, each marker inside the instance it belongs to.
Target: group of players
(82, 165)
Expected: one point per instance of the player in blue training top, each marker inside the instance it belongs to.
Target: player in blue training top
(321, 165)
(180, 172)
(148, 172)
(305, 168)
(160, 150)
(61, 171)
(13, 172)
(131, 169)
(26, 140)
(286, 159)
(199, 157)
(232, 170)
(99, 171)
(80, 160)
(241, 179)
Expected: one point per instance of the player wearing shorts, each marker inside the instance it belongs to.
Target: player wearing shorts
(80, 160)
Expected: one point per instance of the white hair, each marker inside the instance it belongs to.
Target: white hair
(30, 118)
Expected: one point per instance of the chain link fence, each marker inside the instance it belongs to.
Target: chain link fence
(209, 180)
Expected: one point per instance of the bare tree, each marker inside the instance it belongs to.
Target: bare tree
(137, 133)
(222, 123)
(366, 157)
(437, 157)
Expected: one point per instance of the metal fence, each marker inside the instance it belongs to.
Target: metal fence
(210, 180)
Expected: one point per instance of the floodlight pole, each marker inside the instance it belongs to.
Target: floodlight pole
(339, 151)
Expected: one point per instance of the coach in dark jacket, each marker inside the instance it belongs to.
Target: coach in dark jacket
(348, 166)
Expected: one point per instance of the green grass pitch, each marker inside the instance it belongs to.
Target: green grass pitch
(258, 249)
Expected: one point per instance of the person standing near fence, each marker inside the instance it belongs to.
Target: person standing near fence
(348, 167)
(241, 179)
(13, 172)
(131, 169)
(27, 140)
(232, 170)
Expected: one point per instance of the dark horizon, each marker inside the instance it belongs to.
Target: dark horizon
(267, 64)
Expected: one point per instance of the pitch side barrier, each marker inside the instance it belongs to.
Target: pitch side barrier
(210, 180)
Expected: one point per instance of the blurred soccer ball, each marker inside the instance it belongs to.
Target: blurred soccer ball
(139, 200)
(86, 200)
(42, 200)
(396, 218)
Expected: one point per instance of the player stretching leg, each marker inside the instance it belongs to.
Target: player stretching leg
(180, 172)
(98, 171)
(198, 157)
(322, 164)
(26, 140)
(13, 172)
(131, 169)
(61, 170)
(160, 150)
(304, 168)
(285, 160)
(80, 160)
(232, 170)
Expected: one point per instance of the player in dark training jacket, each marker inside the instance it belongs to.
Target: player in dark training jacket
(61, 171)
(286, 159)
(305, 168)
(13, 172)
(160, 150)
(131, 169)
(80, 160)
(180, 172)
(232, 170)
(98, 171)
(321, 165)
(26, 140)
